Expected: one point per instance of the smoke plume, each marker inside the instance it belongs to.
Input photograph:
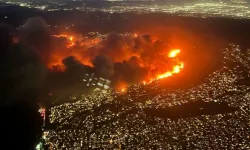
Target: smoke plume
(123, 58)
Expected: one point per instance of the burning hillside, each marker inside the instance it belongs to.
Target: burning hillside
(127, 58)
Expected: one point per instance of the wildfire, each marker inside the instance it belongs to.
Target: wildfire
(71, 42)
(123, 90)
(174, 53)
(85, 50)
(176, 69)
(165, 75)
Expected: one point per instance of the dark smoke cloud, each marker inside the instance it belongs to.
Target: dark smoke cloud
(104, 66)
(5, 37)
(121, 61)
(21, 69)
(72, 63)
(38, 34)
(22, 72)
(134, 61)
(129, 72)
(121, 58)
(117, 47)
(21, 80)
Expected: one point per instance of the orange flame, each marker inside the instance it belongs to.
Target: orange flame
(79, 53)
(70, 39)
(174, 53)
(165, 75)
(176, 69)
(123, 90)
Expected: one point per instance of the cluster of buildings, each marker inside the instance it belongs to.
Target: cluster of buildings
(113, 120)
(232, 9)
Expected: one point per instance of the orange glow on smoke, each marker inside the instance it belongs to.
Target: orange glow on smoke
(69, 49)
(123, 90)
(161, 65)
(70, 39)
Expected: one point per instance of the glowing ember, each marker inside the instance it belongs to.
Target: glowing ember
(174, 53)
(123, 90)
(71, 38)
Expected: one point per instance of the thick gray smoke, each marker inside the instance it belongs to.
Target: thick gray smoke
(118, 57)
(104, 66)
(21, 70)
(38, 35)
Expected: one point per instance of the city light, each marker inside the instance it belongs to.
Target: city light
(129, 121)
